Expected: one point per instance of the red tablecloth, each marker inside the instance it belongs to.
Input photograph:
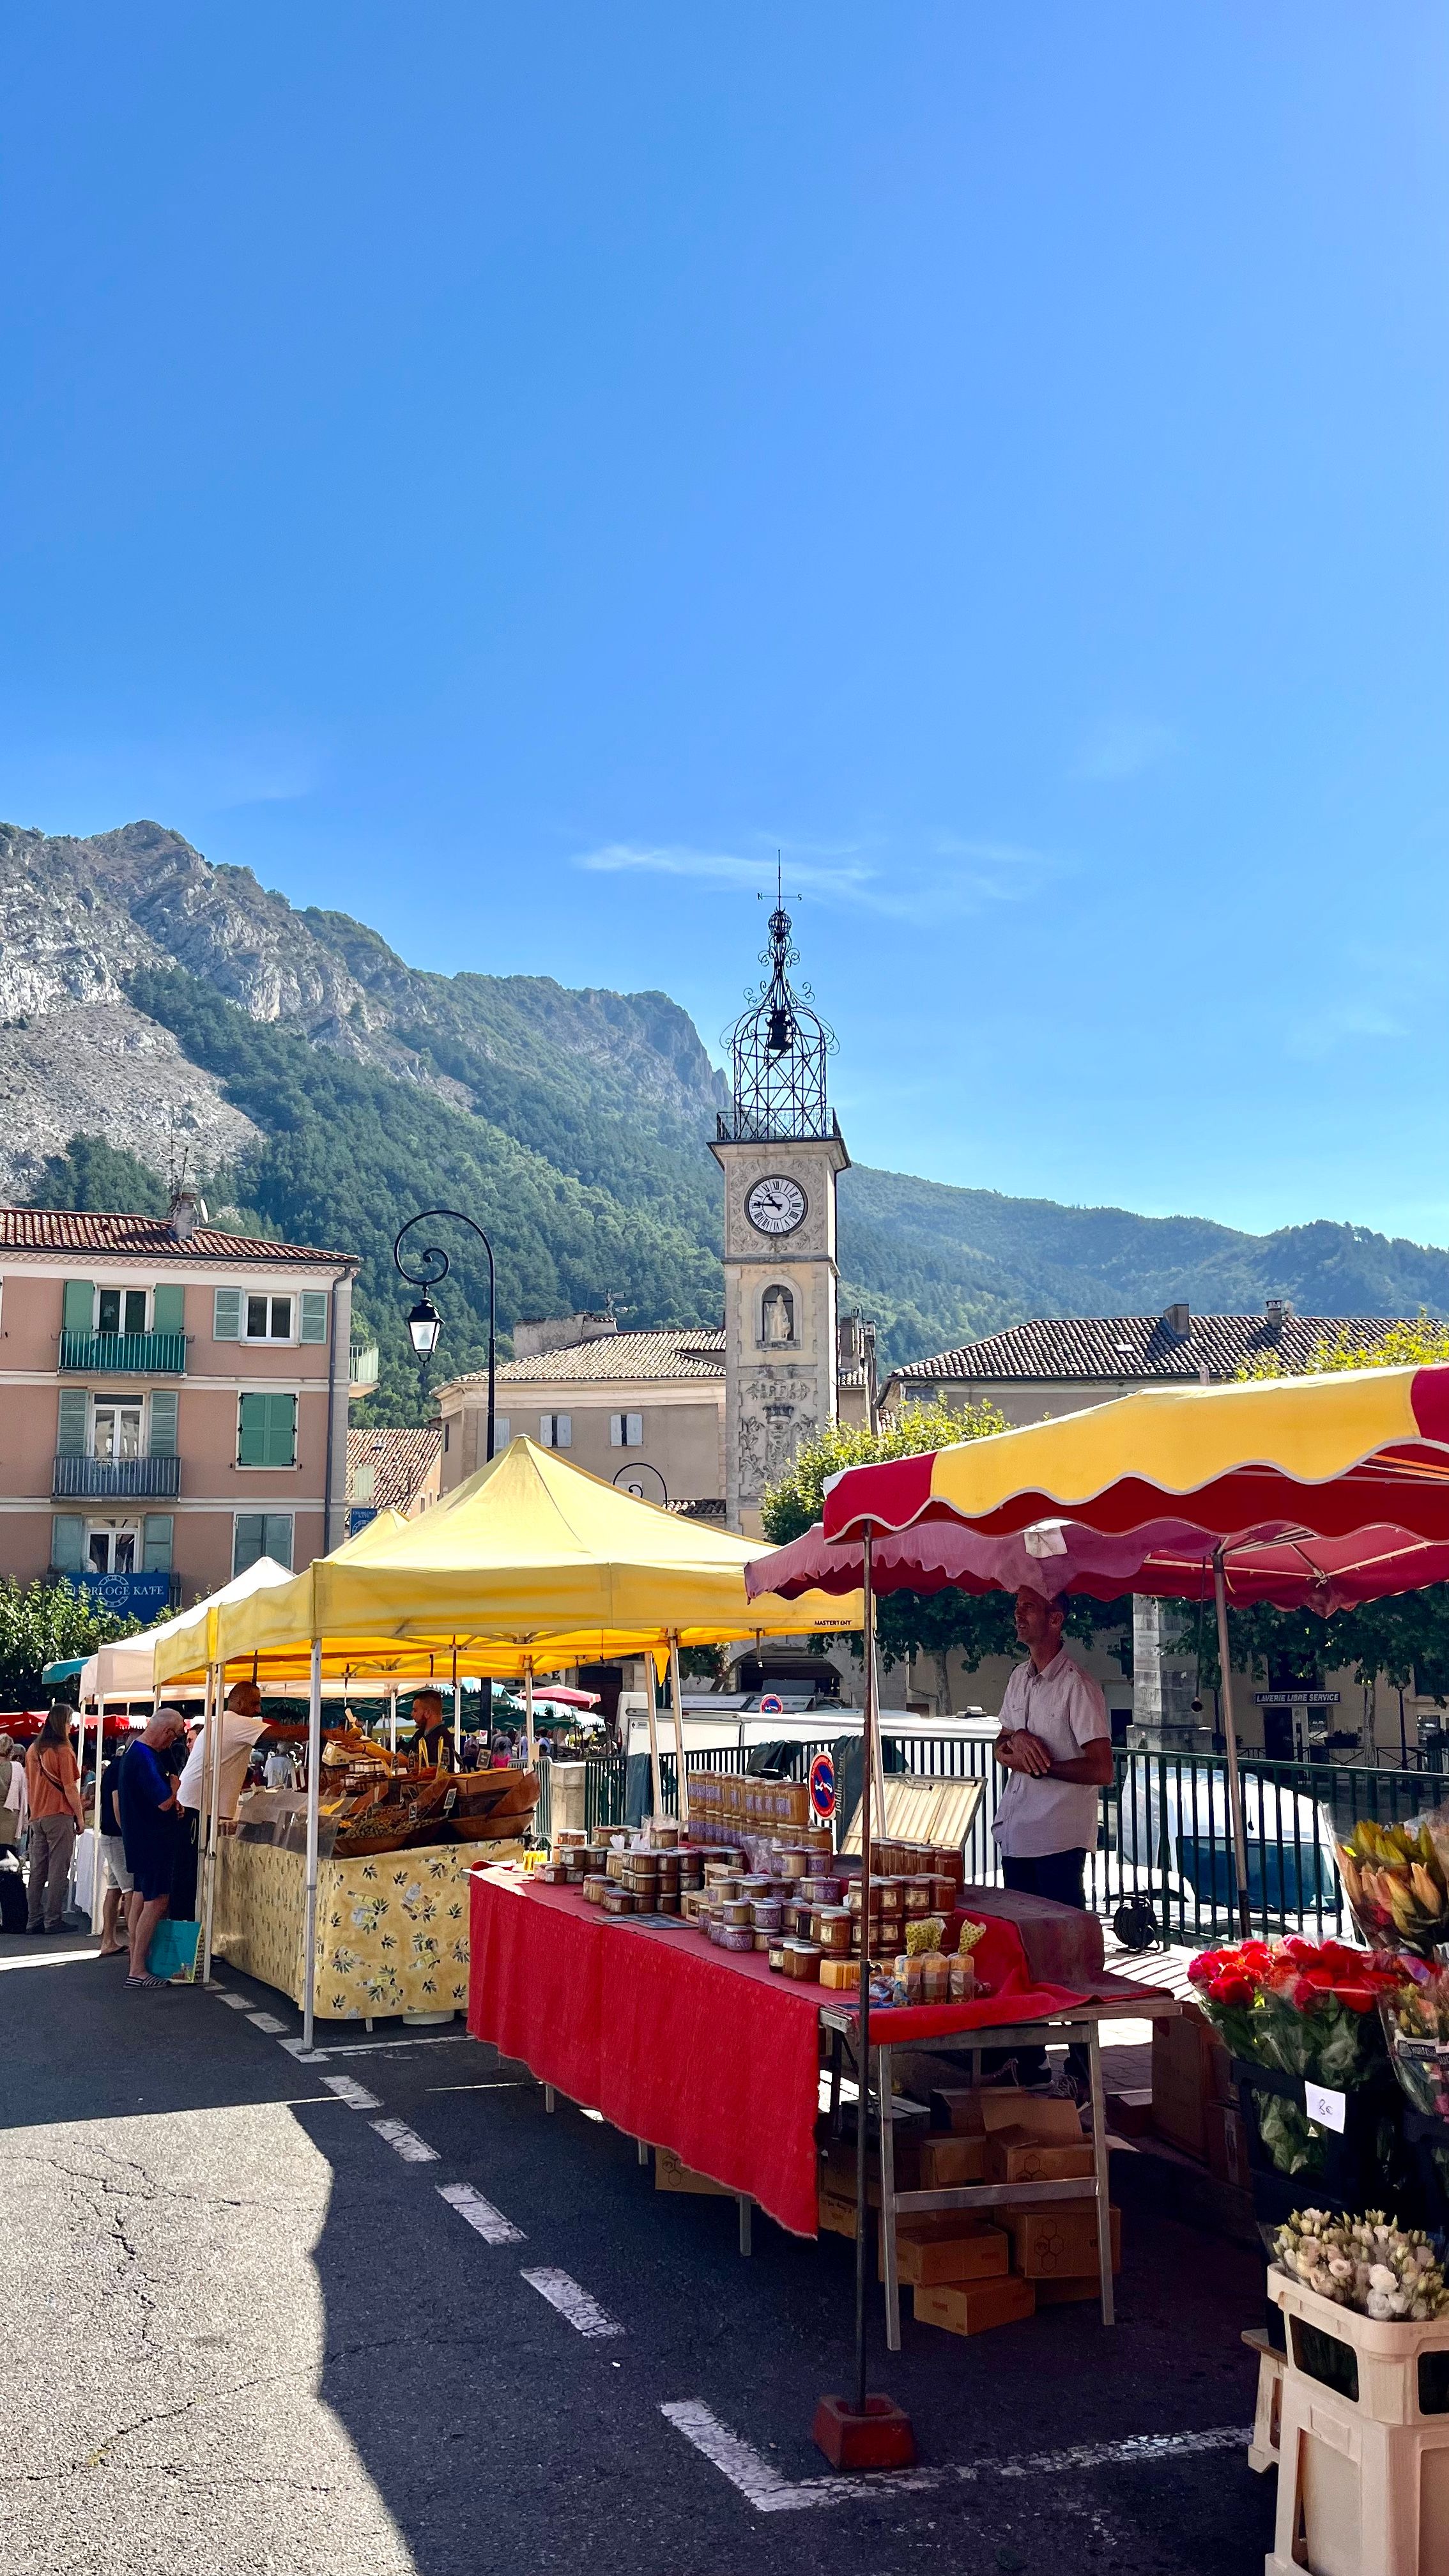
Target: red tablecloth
(690, 2047)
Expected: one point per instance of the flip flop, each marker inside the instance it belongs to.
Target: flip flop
(156, 1983)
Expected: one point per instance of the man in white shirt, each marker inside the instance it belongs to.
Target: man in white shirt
(242, 1722)
(1055, 1747)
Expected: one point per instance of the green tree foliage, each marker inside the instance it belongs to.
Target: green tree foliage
(350, 1152)
(92, 1174)
(48, 1623)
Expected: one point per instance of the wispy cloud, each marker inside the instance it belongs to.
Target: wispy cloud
(949, 874)
(1122, 747)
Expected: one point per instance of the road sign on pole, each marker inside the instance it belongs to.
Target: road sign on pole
(822, 1786)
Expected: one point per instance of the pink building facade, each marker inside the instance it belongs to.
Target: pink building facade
(173, 1403)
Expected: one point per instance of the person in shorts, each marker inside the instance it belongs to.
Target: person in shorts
(147, 1805)
(120, 1885)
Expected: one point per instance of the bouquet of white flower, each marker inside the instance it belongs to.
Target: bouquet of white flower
(1366, 2263)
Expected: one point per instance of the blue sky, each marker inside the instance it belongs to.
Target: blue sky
(506, 472)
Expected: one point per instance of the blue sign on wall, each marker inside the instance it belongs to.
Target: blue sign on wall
(131, 1596)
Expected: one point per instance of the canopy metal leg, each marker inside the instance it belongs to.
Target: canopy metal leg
(884, 2091)
(1102, 2176)
(314, 1793)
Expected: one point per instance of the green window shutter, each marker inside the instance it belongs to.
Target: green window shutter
(164, 1401)
(168, 1307)
(226, 1315)
(67, 1543)
(156, 1538)
(249, 1540)
(267, 1432)
(278, 1536)
(73, 1423)
(314, 1315)
(281, 1434)
(79, 1306)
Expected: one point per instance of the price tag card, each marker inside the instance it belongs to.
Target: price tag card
(1329, 2109)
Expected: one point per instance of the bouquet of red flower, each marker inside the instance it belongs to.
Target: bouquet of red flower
(1304, 2008)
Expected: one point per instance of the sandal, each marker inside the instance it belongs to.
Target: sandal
(155, 1983)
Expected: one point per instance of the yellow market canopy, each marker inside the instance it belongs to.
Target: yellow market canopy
(531, 1564)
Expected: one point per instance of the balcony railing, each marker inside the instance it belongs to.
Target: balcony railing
(155, 1354)
(362, 1367)
(105, 1478)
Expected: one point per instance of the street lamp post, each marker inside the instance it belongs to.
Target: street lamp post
(425, 1323)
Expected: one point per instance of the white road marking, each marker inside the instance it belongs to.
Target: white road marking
(406, 2143)
(237, 2003)
(770, 2492)
(355, 2095)
(374, 2047)
(52, 1959)
(267, 2022)
(583, 2313)
(490, 2223)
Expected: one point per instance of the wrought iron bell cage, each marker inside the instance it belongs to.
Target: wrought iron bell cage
(777, 1053)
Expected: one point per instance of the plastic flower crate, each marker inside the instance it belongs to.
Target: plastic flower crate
(1363, 2441)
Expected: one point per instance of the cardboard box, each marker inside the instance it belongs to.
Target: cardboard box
(671, 2175)
(1015, 2157)
(969, 2112)
(836, 2212)
(1226, 2141)
(949, 2248)
(1061, 2292)
(944, 2162)
(1182, 2076)
(1058, 2241)
(840, 1973)
(1129, 2115)
(973, 2307)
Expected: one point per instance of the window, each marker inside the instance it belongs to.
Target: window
(165, 1401)
(259, 1534)
(226, 1315)
(120, 1310)
(269, 1319)
(364, 1481)
(502, 1432)
(777, 1316)
(555, 1430)
(267, 1431)
(626, 1430)
(447, 1435)
(67, 1543)
(117, 1431)
(110, 1550)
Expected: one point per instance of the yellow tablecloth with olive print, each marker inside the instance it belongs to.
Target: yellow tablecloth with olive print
(392, 1931)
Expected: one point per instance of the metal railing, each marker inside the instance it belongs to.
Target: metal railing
(1162, 1834)
(362, 1365)
(117, 1476)
(155, 1354)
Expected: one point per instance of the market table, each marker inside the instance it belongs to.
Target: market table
(709, 2053)
(392, 1929)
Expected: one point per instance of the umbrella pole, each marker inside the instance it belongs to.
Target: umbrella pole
(97, 1888)
(1235, 1786)
(314, 1793)
(457, 1717)
(392, 1719)
(681, 1776)
(656, 1788)
(862, 2103)
(528, 1706)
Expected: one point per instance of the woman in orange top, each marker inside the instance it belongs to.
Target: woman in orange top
(53, 1786)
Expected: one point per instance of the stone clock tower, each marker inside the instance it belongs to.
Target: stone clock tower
(781, 1150)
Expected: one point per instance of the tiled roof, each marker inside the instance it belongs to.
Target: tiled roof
(147, 1238)
(400, 1460)
(1093, 1347)
(614, 1356)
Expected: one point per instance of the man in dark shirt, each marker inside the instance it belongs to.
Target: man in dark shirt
(147, 1803)
(432, 1742)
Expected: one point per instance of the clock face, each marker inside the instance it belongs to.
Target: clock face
(775, 1206)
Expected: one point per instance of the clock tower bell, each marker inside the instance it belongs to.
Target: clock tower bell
(781, 1152)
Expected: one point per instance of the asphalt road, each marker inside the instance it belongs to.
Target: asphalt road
(249, 2331)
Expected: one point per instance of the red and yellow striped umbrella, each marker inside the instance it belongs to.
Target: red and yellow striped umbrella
(1330, 1454)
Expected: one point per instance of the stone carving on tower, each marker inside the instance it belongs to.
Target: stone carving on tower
(781, 1151)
